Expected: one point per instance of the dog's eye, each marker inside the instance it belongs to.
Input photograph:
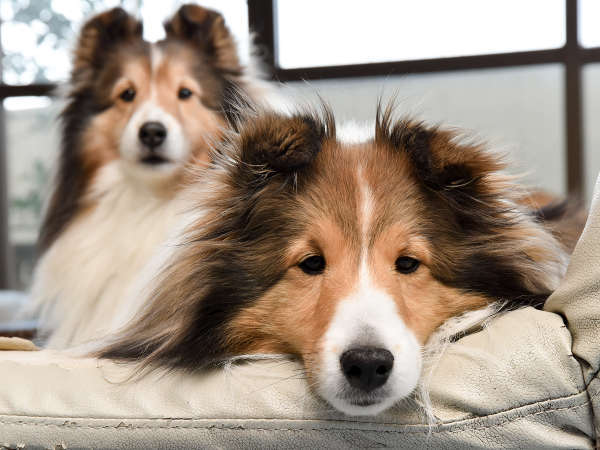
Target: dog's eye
(184, 93)
(127, 95)
(313, 265)
(406, 264)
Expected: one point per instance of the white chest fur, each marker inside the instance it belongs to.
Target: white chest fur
(83, 279)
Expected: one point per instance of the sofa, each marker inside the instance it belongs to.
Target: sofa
(528, 379)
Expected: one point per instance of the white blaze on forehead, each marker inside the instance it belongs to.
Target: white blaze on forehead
(156, 58)
(366, 209)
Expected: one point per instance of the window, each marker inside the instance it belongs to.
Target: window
(350, 51)
(390, 30)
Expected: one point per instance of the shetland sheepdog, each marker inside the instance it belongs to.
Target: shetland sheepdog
(137, 113)
(345, 252)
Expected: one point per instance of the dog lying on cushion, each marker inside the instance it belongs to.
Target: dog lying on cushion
(348, 254)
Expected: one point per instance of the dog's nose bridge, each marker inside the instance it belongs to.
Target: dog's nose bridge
(366, 335)
(151, 111)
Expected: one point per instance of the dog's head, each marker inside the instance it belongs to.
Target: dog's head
(151, 105)
(346, 255)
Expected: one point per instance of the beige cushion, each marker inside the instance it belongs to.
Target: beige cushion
(511, 384)
(527, 380)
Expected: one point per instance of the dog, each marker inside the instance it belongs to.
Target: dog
(346, 252)
(137, 114)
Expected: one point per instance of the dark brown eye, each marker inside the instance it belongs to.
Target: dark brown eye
(184, 93)
(406, 264)
(313, 265)
(127, 95)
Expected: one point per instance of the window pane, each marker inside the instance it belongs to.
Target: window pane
(316, 33)
(32, 140)
(37, 36)
(519, 111)
(591, 116)
(589, 31)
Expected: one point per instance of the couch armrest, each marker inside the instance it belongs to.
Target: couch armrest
(577, 300)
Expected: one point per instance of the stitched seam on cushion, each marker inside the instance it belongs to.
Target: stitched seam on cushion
(434, 429)
(353, 422)
(591, 397)
(595, 425)
(586, 385)
(595, 394)
(508, 420)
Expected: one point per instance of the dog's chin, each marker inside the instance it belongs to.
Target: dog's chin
(155, 162)
(153, 169)
(353, 402)
(362, 405)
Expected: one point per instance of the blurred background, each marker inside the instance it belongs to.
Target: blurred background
(523, 74)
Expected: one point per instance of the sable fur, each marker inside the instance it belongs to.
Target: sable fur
(267, 181)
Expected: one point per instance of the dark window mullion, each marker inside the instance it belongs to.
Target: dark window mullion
(35, 90)
(262, 22)
(490, 61)
(7, 272)
(573, 102)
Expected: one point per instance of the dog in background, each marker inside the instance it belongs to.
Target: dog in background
(346, 253)
(137, 114)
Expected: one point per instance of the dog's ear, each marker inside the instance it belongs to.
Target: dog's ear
(439, 162)
(280, 143)
(206, 30)
(102, 34)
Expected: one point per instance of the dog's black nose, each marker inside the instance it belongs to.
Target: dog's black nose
(152, 134)
(367, 368)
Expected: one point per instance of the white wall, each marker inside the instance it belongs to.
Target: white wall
(519, 110)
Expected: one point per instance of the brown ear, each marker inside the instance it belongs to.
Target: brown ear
(101, 34)
(281, 143)
(207, 31)
(439, 162)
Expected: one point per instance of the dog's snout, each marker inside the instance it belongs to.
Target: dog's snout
(152, 134)
(367, 368)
